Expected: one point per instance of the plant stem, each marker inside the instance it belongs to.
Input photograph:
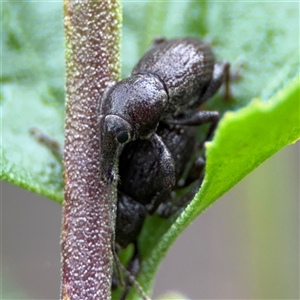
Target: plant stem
(92, 31)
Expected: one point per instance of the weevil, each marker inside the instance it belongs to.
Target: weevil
(141, 190)
(168, 84)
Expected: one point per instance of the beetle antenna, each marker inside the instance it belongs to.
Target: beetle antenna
(129, 276)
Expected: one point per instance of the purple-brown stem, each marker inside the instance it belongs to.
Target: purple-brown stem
(92, 31)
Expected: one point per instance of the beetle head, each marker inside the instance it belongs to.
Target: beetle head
(139, 99)
(131, 109)
(115, 132)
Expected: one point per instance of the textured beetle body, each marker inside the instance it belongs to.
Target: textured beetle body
(171, 80)
(186, 68)
(140, 172)
(141, 185)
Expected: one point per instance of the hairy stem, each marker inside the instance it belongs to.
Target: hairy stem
(92, 31)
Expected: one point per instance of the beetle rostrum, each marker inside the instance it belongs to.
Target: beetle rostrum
(169, 83)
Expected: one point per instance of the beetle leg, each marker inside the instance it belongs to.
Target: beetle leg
(155, 202)
(48, 142)
(117, 279)
(133, 269)
(130, 218)
(169, 207)
(165, 161)
(131, 273)
(196, 172)
(199, 118)
(221, 75)
(158, 40)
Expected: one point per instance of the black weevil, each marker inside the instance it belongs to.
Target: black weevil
(169, 83)
(166, 87)
(141, 190)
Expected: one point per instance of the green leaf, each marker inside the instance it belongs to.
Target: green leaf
(32, 94)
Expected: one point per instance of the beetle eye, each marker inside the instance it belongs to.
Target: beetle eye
(122, 137)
